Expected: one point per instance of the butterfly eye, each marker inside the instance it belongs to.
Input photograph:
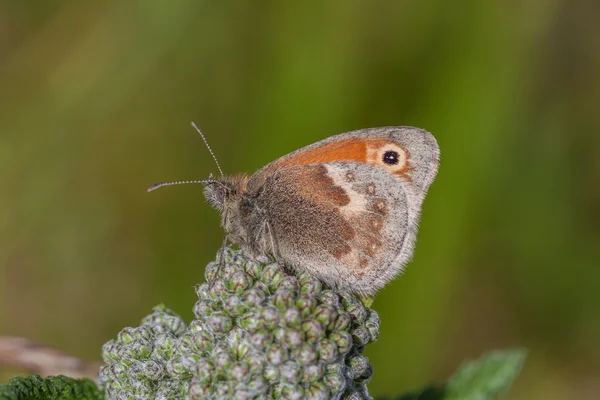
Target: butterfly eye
(391, 157)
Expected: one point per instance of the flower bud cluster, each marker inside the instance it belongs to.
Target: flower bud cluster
(260, 332)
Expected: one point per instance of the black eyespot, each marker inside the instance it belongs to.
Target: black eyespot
(391, 157)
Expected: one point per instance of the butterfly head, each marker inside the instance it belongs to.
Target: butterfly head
(222, 194)
(229, 197)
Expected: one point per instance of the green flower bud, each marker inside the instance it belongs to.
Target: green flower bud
(164, 346)
(295, 392)
(177, 368)
(304, 354)
(271, 276)
(357, 312)
(125, 336)
(372, 325)
(329, 297)
(203, 341)
(313, 331)
(251, 321)
(328, 351)
(202, 291)
(309, 284)
(199, 391)
(219, 323)
(227, 272)
(325, 314)
(148, 370)
(210, 271)
(293, 338)
(343, 341)
(317, 391)
(203, 372)
(223, 390)
(284, 299)
(335, 382)
(269, 318)
(290, 372)
(292, 317)
(257, 385)
(342, 322)
(234, 306)
(239, 282)
(218, 290)
(253, 268)
(196, 326)
(306, 303)
(312, 373)
(240, 372)
(222, 362)
(359, 368)
(110, 351)
(203, 308)
(162, 322)
(261, 338)
(256, 364)
(361, 336)
(271, 372)
(253, 297)
(288, 283)
(140, 349)
(275, 355)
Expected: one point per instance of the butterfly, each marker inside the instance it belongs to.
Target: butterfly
(344, 209)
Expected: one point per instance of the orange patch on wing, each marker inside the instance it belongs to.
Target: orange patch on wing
(379, 143)
(344, 150)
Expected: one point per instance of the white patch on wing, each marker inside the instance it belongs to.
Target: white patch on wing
(358, 201)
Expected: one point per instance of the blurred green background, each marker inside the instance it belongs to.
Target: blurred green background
(95, 104)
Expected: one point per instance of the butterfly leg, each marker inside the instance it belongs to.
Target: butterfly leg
(274, 250)
(222, 254)
(221, 257)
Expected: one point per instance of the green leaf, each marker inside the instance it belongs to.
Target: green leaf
(484, 379)
(50, 388)
(487, 378)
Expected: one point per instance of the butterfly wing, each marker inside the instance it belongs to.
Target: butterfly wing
(346, 208)
(418, 150)
(345, 222)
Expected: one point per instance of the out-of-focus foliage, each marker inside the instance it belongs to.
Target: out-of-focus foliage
(50, 388)
(95, 104)
(487, 378)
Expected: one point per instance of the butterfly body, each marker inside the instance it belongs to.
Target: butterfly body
(345, 209)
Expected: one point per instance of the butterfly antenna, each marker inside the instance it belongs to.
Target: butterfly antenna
(208, 147)
(161, 184)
